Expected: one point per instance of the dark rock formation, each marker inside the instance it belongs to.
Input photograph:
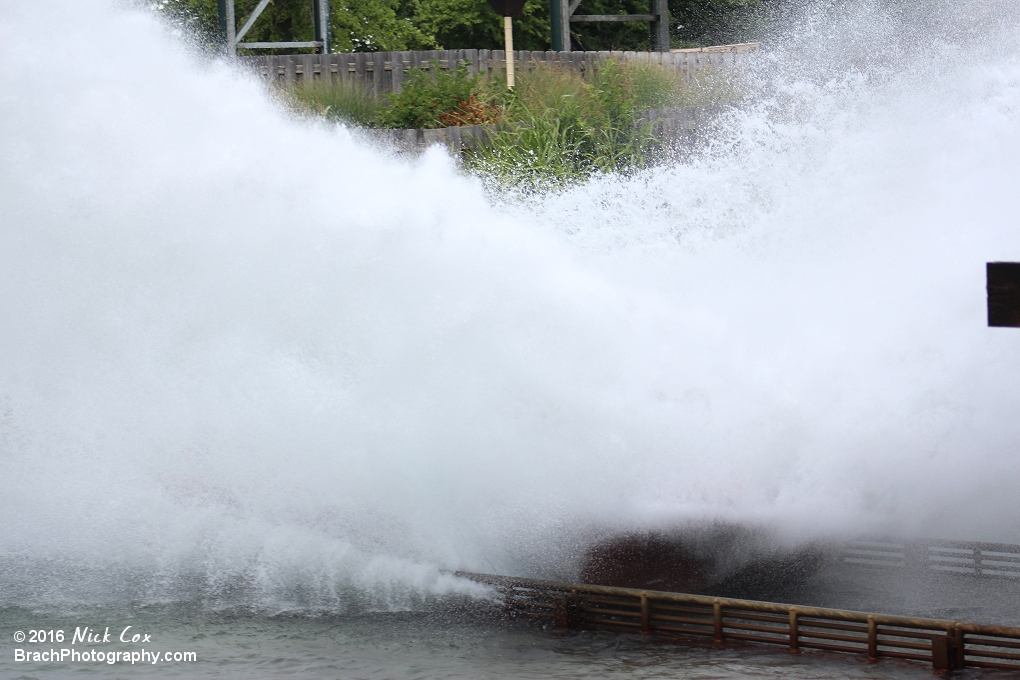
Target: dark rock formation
(720, 559)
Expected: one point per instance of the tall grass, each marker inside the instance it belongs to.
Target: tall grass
(345, 100)
(571, 126)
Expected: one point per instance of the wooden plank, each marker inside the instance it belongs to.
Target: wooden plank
(272, 69)
(694, 621)
(368, 61)
(289, 71)
(307, 68)
(385, 60)
(415, 141)
(469, 137)
(340, 61)
(499, 63)
(326, 68)
(682, 632)
(376, 68)
(454, 139)
(397, 74)
(430, 137)
(359, 69)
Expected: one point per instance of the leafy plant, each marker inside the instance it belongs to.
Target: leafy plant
(474, 111)
(426, 97)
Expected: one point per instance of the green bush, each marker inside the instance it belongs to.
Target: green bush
(425, 97)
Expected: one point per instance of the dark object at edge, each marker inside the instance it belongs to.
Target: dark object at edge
(507, 8)
(1003, 294)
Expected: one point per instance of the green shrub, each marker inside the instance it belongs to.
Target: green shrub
(425, 97)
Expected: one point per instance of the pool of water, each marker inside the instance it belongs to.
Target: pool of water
(476, 643)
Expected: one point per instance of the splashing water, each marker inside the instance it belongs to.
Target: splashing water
(249, 360)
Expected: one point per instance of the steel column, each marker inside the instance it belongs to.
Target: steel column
(559, 25)
(660, 27)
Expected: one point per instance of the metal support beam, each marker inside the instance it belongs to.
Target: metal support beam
(232, 37)
(221, 15)
(559, 24)
(613, 17)
(231, 25)
(251, 19)
(659, 20)
(660, 27)
(321, 9)
(279, 45)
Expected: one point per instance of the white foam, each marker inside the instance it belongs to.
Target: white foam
(247, 359)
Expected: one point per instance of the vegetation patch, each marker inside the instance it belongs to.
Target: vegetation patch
(561, 126)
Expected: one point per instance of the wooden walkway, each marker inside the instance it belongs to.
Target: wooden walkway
(944, 644)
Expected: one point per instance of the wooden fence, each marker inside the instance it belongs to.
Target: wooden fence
(944, 644)
(457, 139)
(675, 128)
(997, 560)
(384, 72)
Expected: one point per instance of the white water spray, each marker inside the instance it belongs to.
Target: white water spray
(231, 371)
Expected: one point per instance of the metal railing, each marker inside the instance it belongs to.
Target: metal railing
(944, 644)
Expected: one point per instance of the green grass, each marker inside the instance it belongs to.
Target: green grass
(346, 100)
(572, 126)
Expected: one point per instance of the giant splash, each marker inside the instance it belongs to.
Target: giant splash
(250, 360)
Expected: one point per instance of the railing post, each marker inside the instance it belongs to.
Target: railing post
(957, 648)
(940, 652)
(794, 632)
(565, 614)
(717, 620)
(947, 650)
(646, 623)
(872, 639)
